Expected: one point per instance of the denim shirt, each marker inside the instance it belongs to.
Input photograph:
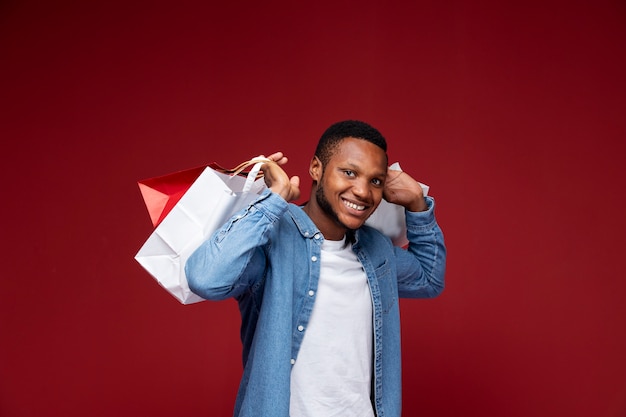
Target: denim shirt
(267, 257)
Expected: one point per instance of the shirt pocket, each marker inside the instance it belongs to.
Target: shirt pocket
(386, 286)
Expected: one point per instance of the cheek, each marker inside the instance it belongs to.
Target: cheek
(377, 192)
(333, 185)
(377, 195)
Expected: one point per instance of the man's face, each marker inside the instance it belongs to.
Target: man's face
(351, 185)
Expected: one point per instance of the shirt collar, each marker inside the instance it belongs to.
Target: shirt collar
(304, 223)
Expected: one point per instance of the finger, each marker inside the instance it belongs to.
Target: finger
(281, 161)
(295, 187)
(268, 168)
(393, 175)
(276, 156)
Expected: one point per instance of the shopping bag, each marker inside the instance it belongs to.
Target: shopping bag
(186, 208)
(389, 218)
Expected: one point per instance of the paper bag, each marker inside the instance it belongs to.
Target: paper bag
(187, 207)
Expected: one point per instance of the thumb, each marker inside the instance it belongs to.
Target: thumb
(295, 187)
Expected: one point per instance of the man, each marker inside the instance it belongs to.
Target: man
(317, 289)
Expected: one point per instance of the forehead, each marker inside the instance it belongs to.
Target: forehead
(360, 153)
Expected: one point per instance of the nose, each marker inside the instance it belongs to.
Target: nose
(361, 189)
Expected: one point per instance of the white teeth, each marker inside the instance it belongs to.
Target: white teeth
(354, 206)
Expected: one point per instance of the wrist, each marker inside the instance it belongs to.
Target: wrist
(418, 205)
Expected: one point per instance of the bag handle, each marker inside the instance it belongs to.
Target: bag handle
(242, 166)
(253, 174)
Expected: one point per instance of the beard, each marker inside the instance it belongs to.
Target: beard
(324, 204)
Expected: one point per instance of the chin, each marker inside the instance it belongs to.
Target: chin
(352, 224)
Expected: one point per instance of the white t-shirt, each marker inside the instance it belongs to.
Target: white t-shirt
(332, 374)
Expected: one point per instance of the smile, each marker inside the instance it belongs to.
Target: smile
(353, 206)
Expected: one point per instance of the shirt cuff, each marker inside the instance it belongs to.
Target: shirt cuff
(271, 204)
(422, 220)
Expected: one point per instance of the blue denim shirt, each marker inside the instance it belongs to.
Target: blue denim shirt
(267, 257)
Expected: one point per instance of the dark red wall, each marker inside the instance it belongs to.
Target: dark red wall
(513, 113)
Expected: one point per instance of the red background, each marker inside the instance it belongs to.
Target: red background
(514, 114)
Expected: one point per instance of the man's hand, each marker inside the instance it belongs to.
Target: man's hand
(277, 179)
(403, 190)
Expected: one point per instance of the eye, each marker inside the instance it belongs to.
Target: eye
(349, 173)
(377, 182)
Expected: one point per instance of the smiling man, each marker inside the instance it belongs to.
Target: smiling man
(317, 289)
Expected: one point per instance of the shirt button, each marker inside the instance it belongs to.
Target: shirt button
(293, 361)
(317, 236)
(311, 293)
(300, 328)
(306, 234)
(314, 258)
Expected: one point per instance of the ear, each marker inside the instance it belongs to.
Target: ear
(315, 169)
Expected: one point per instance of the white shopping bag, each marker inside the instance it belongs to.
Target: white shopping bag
(207, 204)
(389, 218)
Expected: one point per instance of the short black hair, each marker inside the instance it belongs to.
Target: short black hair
(347, 129)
